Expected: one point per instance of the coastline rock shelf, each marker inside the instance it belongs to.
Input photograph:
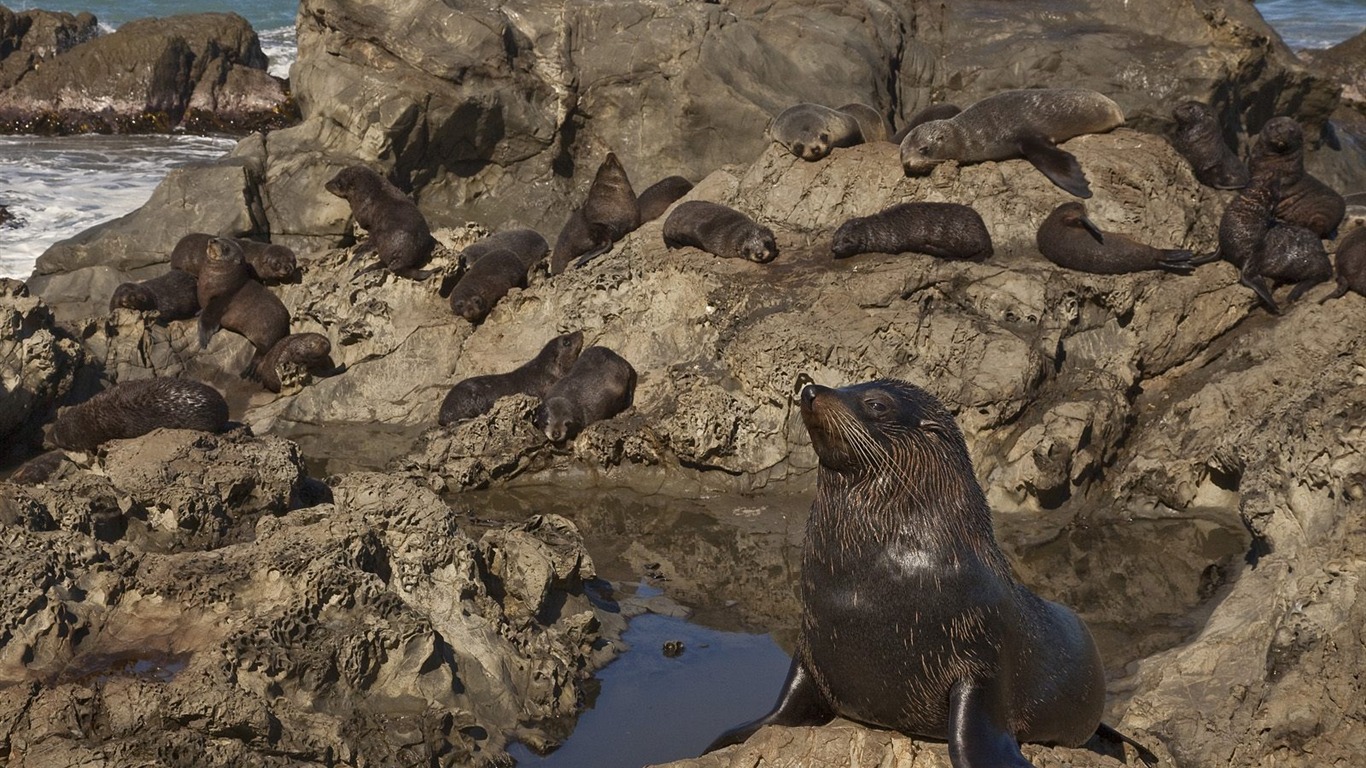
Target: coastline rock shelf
(190, 598)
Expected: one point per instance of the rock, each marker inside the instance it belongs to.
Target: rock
(151, 75)
(1344, 63)
(31, 37)
(38, 366)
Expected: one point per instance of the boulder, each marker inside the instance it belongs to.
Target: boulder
(31, 37)
(38, 367)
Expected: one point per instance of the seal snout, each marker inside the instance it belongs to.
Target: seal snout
(809, 393)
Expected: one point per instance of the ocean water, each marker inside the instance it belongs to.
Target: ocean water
(59, 187)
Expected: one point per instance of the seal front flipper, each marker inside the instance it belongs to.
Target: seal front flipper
(1258, 286)
(801, 703)
(1105, 733)
(210, 319)
(977, 736)
(1058, 165)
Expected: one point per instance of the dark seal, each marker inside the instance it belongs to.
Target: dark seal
(486, 283)
(294, 355)
(1243, 228)
(268, 263)
(1070, 239)
(1304, 200)
(477, 394)
(1351, 265)
(222, 274)
(657, 197)
(598, 386)
(719, 230)
(911, 618)
(172, 296)
(528, 245)
(943, 230)
(1289, 254)
(395, 228)
(608, 214)
(1198, 138)
(134, 408)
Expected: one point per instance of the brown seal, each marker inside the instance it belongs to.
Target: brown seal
(268, 262)
(40, 468)
(527, 244)
(943, 230)
(657, 198)
(810, 131)
(1304, 200)
(607, 215)
(719, 230)
(477, 394)
(1289, 254)
(598, 386)
(134, 408)
(932, 112)
(486, 283)
(911, 617)
(1199, 139)
(1351, 265)
(259, 316)
(1026, 123)
(1070, 239)
(394, 226)
(221, 274)
(1243, 230)
(871, 125)
(295, 354)
(172, 296)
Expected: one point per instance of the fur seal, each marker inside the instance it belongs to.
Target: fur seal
(719, 230)
(258, 316)
(1070, 239)
(486, 283)
(657, 198)
(1289, 254)
(1243, 229)
(598, 386)
(943, 230)
(310, 352)
(134, 408)
(1198, 138)
(810, 131)
(221, 274)
(911, 618)
(395, 228)
(268, 262)
(477, 394)
(528, 245)
(173, 296)
(1351, 265)
(932, 112)
(1304, 200)
(607, 215)
(1025, 123)
(39, 469)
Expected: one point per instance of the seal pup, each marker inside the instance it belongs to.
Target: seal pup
(1025, 123)
(598, 386)
(871, 125)
(394, 226)
(134, 408)
(295, 353)
(268, 262)
(932, 112)
(1289, 254)
(477, 394)
(486, 283)
(172, 296)
(40, 469)
(943, 230)
(1243, 229)
(608, 213)
(719, 230)
(260, 317)
(221, 274)
(1070, 239)
(810, 131)
(1199, 139)
(1351, 265)
(527, 244)
(911, 618)
(1304, 200)
(657, 197)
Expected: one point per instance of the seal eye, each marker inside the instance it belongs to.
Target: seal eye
(875, 406)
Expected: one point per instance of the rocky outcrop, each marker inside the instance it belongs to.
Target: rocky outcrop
(31, 37)
(38, 366)
(200, 72)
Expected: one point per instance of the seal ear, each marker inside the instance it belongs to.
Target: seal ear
(932, 425)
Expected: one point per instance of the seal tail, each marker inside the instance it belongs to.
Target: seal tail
(1111, 736)
(1175, 260)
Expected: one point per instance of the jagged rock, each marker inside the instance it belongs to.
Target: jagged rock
(31, 37)
(151, 75)
(38, 365)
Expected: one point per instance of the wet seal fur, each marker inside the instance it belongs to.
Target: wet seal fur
(598, 386)
(486, 283)
(134, 408)
(1351, 265)
(719, 230)
(1071, 240)
(657, 198)
(943, 230)
(608, 214)
(1243, 229)
(394, 226)
(1303, 199)
(911, 618)
(249, 310)
(810, 131)
(477, 394)
(1026, 123)
(1289, 254)
(172, 296)
(1199, 139)
(310, 352)
(268, 262)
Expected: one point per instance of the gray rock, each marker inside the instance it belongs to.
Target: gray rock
(30, 37)
(38, 366)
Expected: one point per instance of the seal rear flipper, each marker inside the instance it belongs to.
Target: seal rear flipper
(1111, 736)
(977, 736)
(1341, 291)
(1207, 258)
(800, 703)
(1303, 286)
(413, 273)
(1178, 261)
(1258, 286)
(589, 256)
(1060, 166)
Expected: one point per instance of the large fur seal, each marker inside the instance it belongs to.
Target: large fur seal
(1200, 140)
(932, 112)
(477, 394)
(293, 355)
(486, 283)
(598, 386)
(608, 213)
(395, 228)
(1289, 254)
(1070, 239)
(719, 230)
(810, 131)
(268, 262)
(173, 296)
(1304, 200)
(134, 408)
(1024, 123)
(657, 198)
(1351, 265)
(944, 230)
(911, 618)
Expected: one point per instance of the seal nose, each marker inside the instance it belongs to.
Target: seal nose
(809, 394)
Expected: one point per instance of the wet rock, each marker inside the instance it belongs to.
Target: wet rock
(38, 366)
(31, 37)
